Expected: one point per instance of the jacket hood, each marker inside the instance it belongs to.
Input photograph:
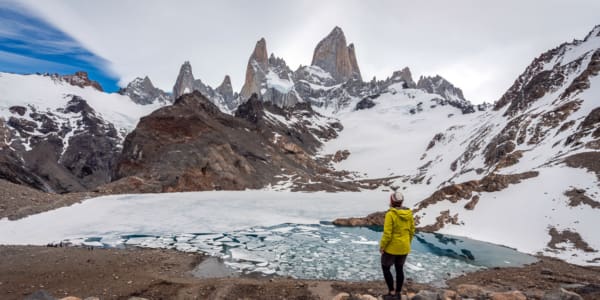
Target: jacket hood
(402, 213)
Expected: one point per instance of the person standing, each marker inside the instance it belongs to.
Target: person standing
(398, 232)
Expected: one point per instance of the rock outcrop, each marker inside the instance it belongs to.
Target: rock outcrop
(451, 94)
(334, 56)
(439, 85)
(404, 76)
(142, 91)
(79, 78)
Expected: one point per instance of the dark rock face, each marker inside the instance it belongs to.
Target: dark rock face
(20, 110)
(142, 91)
(191, 145)
(68, 150)
(366, 103)
(252, 110)
(11, 166)
(93, 149)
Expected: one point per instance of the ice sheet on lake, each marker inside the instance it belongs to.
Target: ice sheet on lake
(307, 251)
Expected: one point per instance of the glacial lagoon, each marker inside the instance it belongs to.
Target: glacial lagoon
(325, 251)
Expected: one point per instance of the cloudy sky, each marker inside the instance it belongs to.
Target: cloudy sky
(480, 46)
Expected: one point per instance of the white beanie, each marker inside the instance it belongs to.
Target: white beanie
(397, 196)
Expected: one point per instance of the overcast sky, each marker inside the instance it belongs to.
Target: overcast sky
(480, 46)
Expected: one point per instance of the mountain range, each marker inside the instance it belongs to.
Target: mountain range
(522, 171)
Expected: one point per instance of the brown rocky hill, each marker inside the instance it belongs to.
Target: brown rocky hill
(192, 146)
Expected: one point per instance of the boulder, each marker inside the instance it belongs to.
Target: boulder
(470, 291)
(426, 295)
(513, 295)
(40, 295)
(561, 294)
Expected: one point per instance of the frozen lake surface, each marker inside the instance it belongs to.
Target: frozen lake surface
(324, 251)
(265, 232)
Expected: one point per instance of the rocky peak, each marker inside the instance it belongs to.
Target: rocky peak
(226, 89)
(269, 78)
(439, 85)
(142, 91)
(185, 81)
(354, 62)
(260, 54)
(79, 78)
(333, 55)
(258, 67)
(405, 76)
(279, 66)
(186, 84)
(451, 95)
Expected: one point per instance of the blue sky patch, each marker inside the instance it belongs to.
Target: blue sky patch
(29, 44)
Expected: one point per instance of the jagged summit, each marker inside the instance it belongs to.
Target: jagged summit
(226, 89)
(269, 77)
(185, 80)
(405, 76)
(142, 91)
(333, 55)
(260, 54)
(439, 85)
(258, 65)
(186, 84)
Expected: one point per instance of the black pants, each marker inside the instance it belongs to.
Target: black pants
(387, 260)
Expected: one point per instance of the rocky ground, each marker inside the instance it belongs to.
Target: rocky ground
(18, 201)
(32, 272)
(164, 274)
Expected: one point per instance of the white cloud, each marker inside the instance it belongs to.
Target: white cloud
(481, 46)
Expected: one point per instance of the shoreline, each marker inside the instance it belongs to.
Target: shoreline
(121, 273)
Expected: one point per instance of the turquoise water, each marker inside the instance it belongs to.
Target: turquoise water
(325, 251)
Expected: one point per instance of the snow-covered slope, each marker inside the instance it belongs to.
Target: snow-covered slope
(389, 138)
(47, 94)
(62, 135)
(524, 175)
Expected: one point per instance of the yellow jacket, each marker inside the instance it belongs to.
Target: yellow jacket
(398, 231)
